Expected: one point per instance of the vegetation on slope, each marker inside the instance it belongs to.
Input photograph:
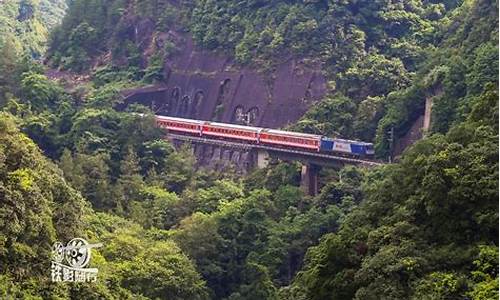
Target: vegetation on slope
(382, 58)
(424, 228)
(24, 24)
(39, 206)
(428, 226)
(231, 229)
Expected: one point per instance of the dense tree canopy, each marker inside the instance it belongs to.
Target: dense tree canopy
(421, 230)
(24, 24)
(72, 164)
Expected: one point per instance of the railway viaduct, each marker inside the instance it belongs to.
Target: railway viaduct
(312, 162)
(165, 102)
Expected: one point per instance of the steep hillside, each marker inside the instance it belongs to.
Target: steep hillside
(425, 230)
(424, 227)
(25, 24)
(272, 60)
(37, 207)
(464, 62)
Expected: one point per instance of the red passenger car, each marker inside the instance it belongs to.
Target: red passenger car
(180, 125)
(231, 131)
(290, 139)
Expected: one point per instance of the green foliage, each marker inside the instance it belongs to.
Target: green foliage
(425, 228)
(485, 275)
(456, 73)
(24, 24)
(338, 32)
(134, 264)
(154, 71)
(374, 75)
(441, 286)
(442, 196)
(167, 271)
(37, 207)
(41, 92)
(209, 199)
(332, 117)
(89, 23)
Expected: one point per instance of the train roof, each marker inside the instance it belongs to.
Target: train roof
(291, 133)
(180, 119)
(347, 141)
(256, 129)
(241, 127)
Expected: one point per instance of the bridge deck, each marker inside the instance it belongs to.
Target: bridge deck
(244, 146)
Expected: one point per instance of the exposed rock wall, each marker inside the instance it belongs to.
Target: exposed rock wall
(419, 128)
(208, 86)
(413, 135)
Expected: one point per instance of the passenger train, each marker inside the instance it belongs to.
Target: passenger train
(265, 136)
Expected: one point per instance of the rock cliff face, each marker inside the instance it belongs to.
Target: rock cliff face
(209, 86)
(206, 85)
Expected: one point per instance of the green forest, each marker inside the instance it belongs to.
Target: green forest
(72, 165)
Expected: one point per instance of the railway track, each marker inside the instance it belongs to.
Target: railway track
(244, 146)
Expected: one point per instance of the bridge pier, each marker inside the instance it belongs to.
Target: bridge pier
(309, 179)
(260, 155)
(262, 159)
